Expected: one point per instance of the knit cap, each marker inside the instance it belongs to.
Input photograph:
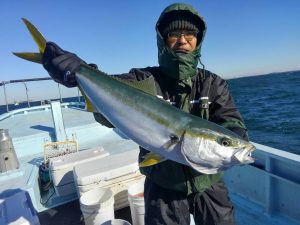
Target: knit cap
(179, 20)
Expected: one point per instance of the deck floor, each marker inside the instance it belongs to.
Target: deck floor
(246, 214)
(20, 125)
(70, 214)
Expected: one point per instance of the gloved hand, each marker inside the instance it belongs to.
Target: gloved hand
(61, 65)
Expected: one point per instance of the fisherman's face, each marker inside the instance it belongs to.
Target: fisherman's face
(182, 41)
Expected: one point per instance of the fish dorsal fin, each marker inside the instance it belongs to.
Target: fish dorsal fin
(147, 85)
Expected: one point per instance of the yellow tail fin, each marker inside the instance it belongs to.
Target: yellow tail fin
(39, 40)
(37, 56)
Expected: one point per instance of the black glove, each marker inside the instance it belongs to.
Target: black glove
(61, 65)
(93, 65)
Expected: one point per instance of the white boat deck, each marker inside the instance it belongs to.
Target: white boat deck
(265, 193)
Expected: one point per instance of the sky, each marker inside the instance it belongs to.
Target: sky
(243, 37)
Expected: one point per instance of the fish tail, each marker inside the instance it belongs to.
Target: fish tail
(39, 40)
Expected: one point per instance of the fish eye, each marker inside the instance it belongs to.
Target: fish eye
(225, 142)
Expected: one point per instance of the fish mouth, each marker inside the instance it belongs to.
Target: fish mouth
(245, 156)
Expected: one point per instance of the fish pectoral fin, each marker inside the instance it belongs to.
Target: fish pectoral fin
(30, 56)
(151, 159)
(174, 139)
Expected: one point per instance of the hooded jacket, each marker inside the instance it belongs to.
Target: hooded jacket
(178, 80)
(184, 66)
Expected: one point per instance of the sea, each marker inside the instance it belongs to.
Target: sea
(269, 104)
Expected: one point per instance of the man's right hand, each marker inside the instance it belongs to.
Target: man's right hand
(61, 65)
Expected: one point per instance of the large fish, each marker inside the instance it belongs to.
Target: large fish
(167, 132)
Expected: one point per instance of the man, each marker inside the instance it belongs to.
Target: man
(173, 191)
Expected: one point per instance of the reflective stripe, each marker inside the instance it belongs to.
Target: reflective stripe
(194, 101)
(191, 102)
(167, 100)
(199, 101)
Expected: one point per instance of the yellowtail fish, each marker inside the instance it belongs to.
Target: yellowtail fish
(167, 132)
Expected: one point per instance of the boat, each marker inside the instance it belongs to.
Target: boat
(264, 192)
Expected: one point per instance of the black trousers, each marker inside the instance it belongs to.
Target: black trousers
(168, 207)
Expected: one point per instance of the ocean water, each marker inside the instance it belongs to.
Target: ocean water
(269, 104)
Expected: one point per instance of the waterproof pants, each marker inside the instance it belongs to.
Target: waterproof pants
(168, 207)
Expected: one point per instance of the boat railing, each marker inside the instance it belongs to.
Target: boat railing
(272, 182)
(25, 81)
(46, 107)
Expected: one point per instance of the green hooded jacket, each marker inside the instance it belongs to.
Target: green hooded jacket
(178, 73)
(179, 70)
(184, 66)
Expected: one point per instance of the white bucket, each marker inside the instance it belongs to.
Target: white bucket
(97, 206)
(116, 222)
(136, 202)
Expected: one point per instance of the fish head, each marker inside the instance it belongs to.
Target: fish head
(209, 151)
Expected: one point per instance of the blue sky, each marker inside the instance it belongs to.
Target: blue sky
(243, 37)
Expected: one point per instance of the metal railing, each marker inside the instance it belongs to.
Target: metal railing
(24, 81)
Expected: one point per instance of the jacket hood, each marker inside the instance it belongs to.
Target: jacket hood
(179, 67)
